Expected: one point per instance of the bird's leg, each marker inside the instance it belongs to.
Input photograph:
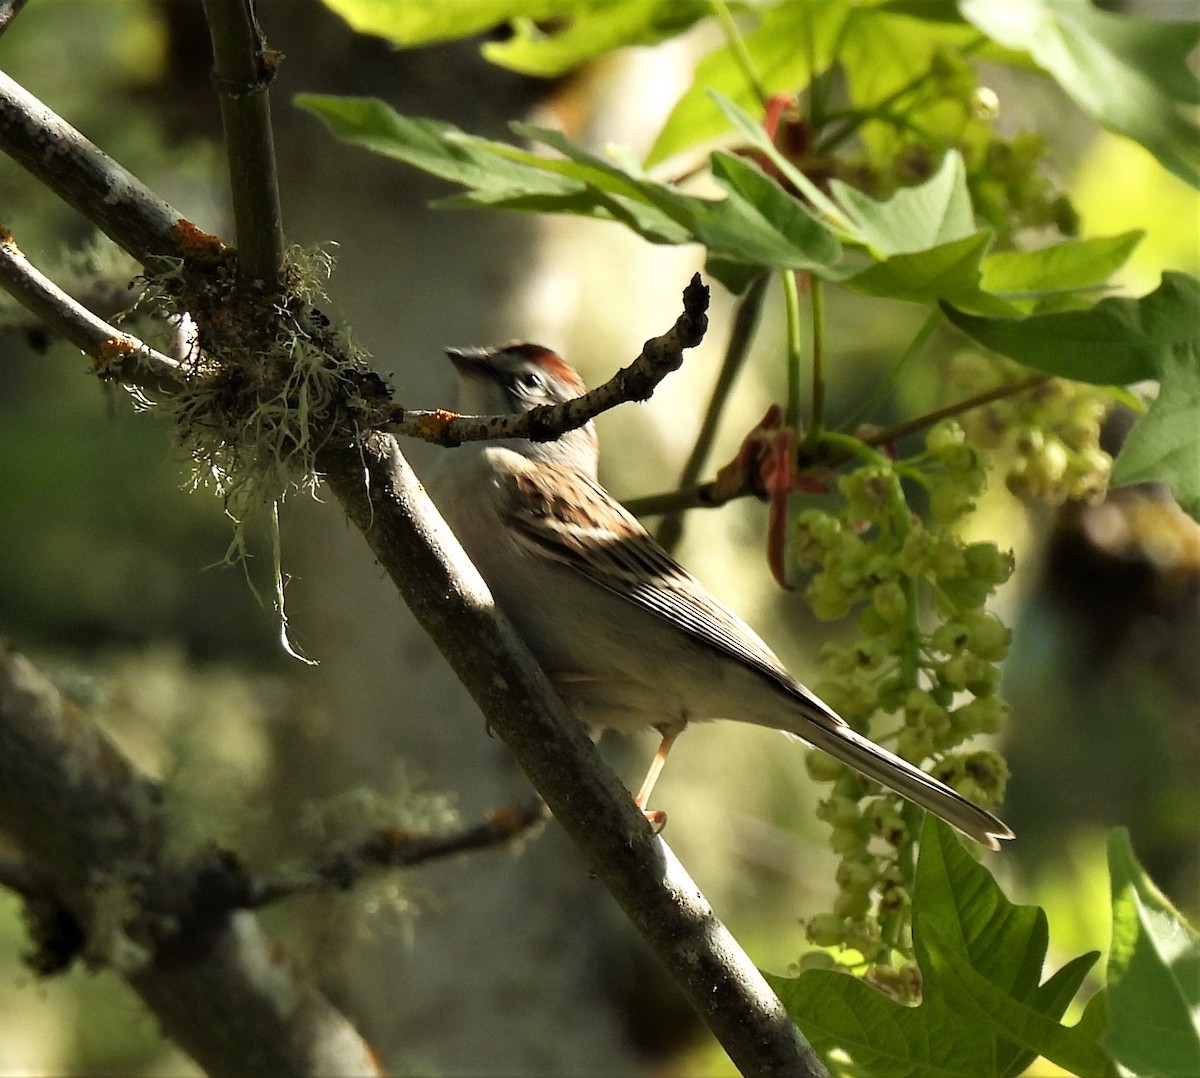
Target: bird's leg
(658, 819)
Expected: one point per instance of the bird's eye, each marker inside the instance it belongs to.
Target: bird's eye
(530, 381)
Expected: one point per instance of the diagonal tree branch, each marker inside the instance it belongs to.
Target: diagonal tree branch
(85, 177)
(118, 354)
(451, 601)
(382, 496)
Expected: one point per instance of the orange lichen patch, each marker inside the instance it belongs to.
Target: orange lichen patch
(114, 351)
(509, 819)
(433, 426)
(193, 242)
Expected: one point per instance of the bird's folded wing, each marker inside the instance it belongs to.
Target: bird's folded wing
(565, 516)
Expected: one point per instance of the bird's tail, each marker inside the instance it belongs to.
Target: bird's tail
(829, 732)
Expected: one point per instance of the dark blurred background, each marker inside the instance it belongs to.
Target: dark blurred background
(109, 575)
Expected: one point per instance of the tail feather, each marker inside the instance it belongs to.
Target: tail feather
(862, 754)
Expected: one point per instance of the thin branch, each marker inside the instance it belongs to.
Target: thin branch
(9, 10)
(637, 382)
(706, 495)
(390, 848)
(118, 354)
(929, 419)
(85, 177)
(670, 529)
(243, 68)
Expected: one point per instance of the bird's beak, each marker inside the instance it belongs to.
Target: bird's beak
(469, 362)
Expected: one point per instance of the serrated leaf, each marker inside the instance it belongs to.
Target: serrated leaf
(949, 271)
(1131, 74)
(983, 1013)
(790, 42)
(427, 144)
(1072, 266)
(1163, 445)
(1117, 341)
(915, 218)
(756, 225)
(751, 130)
(1153, 994)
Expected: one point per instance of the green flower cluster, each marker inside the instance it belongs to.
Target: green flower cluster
(922, 677)
(1046, 439)
(1006, 175)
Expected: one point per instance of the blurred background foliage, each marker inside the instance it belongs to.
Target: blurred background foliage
(105, 561)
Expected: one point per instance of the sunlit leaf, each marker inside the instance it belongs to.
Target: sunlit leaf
(1119, 341)
(984, 1013)
(792, 41)
(1062, 267)
(1130, 74)
(592, 30)
(1153, 975)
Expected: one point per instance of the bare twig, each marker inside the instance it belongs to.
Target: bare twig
(243, 67)
(390, 848)
(118, 354)
(929, 419)
(659, 357)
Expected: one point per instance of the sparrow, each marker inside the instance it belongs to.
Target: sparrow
(629, 638)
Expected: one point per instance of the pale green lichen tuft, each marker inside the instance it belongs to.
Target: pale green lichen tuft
(264, 395)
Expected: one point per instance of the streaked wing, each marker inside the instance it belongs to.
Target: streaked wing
(568, 517)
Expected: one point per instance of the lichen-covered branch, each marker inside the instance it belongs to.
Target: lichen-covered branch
(389, 848)
(636, 382)
(93, 835)
(118, 355)
(85, 177)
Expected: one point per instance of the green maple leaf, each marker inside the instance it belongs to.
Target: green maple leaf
(984, 1012)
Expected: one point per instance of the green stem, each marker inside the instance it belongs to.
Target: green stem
(738, 47)
(817, 423)
(791, 303)
(884, 390)
(855, 118)
(845, 448)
